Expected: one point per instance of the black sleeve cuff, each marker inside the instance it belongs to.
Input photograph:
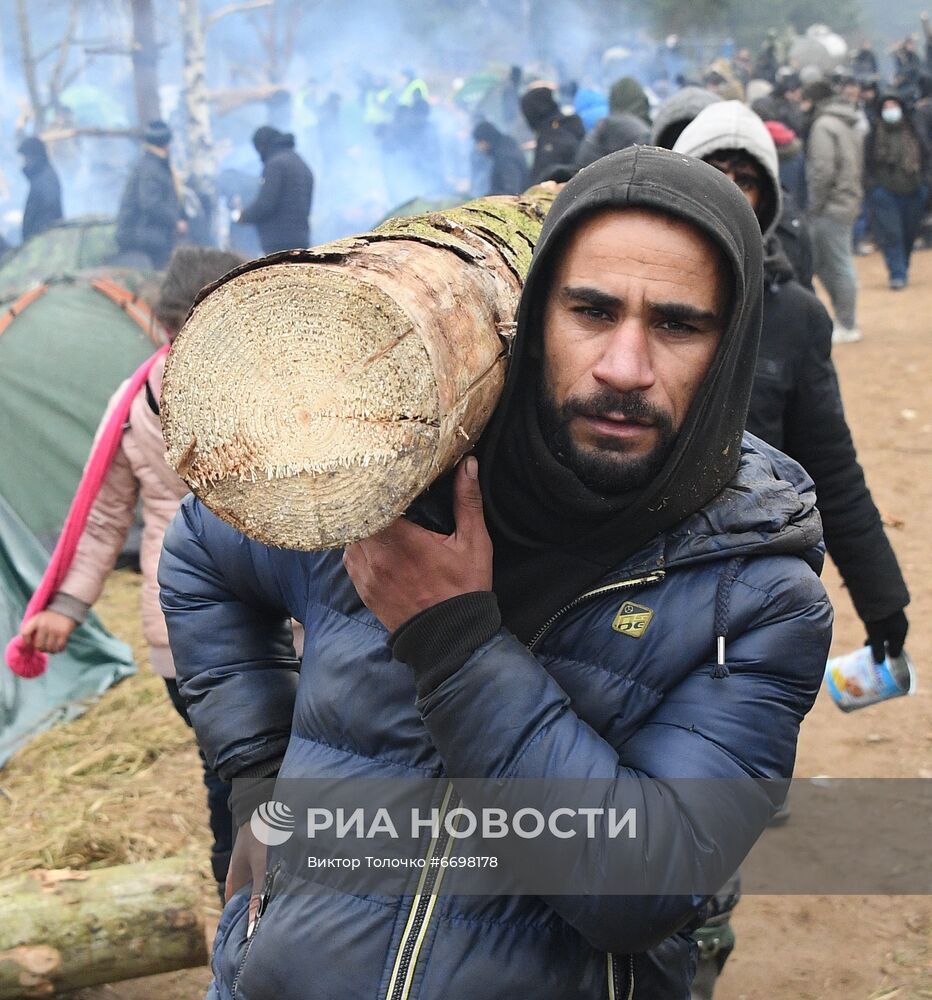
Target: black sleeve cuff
(439, 640)
(251, 788)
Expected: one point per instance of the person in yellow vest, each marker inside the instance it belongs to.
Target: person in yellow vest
(377, 102)
(412, 88)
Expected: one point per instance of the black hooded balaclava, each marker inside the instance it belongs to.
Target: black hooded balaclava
(268, 140)
(33, 148)
(538, 106)
(35, 156)
(553, 536)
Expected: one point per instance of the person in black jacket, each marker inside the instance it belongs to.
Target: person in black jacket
(865, 61)
(792, 231)
(558, 135)
(907, 64)
(796, 403)
(796, 407)
(150, 218)
(783, 103)
(281, 212)
(509, 174)
(43, 203)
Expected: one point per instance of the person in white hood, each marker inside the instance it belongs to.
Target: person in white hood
(796, 406)
(795, 401)
(732, 138)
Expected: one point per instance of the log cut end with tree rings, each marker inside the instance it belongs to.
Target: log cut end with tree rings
(313, 395)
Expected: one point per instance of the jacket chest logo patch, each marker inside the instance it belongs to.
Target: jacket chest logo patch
(632, 619)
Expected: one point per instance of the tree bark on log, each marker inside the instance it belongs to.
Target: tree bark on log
(313, 394)
(64, 930)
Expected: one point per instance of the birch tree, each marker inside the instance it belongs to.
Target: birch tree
(199, 139)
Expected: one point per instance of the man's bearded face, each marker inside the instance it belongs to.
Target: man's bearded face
(610, 469)
(633, 320)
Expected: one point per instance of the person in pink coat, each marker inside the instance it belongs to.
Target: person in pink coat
(139, 471)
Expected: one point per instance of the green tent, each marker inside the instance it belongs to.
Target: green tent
(65, 346)
(92, 662)
(79, 244)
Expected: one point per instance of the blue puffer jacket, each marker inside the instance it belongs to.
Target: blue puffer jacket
(585, 700)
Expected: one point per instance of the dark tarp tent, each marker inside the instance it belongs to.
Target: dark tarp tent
(92, 662)
(79, 244)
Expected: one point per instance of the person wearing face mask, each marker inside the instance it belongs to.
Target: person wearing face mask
(897, 166)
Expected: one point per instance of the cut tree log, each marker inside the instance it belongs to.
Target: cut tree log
(64, 929)
(313, 394)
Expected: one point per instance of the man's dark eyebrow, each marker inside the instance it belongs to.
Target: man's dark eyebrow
(681, 312)
(678, 312)
(591, 297)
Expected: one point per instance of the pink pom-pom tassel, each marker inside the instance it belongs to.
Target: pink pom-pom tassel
(23, 660)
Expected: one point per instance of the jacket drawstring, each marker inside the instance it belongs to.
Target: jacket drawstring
(722, 602)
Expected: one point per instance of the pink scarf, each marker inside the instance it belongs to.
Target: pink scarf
(27, 661)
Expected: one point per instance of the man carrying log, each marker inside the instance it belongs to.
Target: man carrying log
(629, 596)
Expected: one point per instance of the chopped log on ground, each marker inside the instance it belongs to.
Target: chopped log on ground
(313, 394)
(66, 929)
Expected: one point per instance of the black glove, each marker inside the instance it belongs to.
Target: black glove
(887, 636)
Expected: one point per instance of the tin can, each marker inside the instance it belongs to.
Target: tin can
(854, 680)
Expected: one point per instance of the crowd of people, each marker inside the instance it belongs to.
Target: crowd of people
(817, 166)
(855, 153)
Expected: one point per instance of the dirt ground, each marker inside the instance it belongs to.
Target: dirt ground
(842, 948)
(790, 947)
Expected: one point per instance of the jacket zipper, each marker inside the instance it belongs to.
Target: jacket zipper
(609, 588)
(615, 991)
(428, 886)
(422, 907)
(264, 898)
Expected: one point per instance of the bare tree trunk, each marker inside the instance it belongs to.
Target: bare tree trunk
(56, 80)
(145, 61)
(29, 66)
(281, 33)
(202, 163)
(404, 331)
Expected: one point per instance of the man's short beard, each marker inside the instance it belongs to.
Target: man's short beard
(606, 470)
